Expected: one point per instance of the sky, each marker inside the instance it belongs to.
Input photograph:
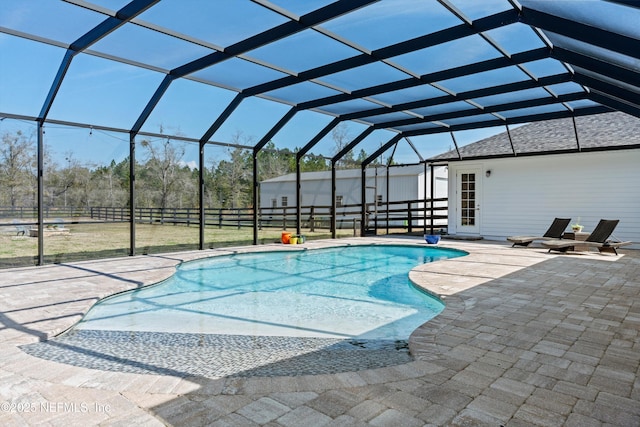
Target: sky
(100, 92)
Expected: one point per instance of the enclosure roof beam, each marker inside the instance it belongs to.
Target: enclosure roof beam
(528, 103)
(275, 129)
(439, 37)
(465, 70)
(276, 33)
(390, 159)
(476, 93)
(124, 15)
(512, 120)
(318, 137)
(381, 150)
(596, 65)
(153, 101)
(120, 130)
(235, 102)
(455, 144)
(627, 93)
(414, 148)
(582, 32)
(357, 140)
(630, 3)
(616, 104)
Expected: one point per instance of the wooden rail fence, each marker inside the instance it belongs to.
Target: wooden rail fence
(409, 215)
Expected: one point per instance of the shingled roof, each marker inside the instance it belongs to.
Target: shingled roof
(596, 132)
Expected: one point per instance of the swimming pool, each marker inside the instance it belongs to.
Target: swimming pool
(346, 292)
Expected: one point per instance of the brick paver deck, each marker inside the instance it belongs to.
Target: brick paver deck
(527, 338)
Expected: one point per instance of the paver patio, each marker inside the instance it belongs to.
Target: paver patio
(527, 338)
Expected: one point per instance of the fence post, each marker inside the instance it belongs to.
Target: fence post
(284, 218)
(238, 216)
(220, 218)
(312, 219)
(375, 224)
(410, 222)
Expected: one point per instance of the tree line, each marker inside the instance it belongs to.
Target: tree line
(163, 179)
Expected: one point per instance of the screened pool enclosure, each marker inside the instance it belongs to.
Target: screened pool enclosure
(147, 125)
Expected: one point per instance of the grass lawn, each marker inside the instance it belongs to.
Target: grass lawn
(102, 240)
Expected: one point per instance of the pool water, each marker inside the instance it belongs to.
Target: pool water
(347, 292)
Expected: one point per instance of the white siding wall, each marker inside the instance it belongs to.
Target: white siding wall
(275, 190)
(349, 189)
(318, 191)
(523, 195)
(314, 192)
(401, 188)
(440, 184)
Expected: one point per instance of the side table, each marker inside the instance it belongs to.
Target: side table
(579, 236)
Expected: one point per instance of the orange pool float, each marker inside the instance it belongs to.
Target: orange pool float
(286, 237)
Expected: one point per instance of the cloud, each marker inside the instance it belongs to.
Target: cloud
(192, 164)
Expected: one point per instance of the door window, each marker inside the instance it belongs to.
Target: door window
(468, 199)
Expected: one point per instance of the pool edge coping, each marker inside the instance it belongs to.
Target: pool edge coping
(422, 352)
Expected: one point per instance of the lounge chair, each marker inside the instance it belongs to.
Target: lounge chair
(598, 239)
(555, 231)
(58, 223)
(21, 229)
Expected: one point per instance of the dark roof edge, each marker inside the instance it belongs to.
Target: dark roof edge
(538, 153)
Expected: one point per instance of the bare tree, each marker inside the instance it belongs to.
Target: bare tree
(163, 168)
(342, 138)
(108, 186)
(234, 176)
(16, 160)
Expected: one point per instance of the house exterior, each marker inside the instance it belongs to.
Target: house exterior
(406, 183)
(494, 193)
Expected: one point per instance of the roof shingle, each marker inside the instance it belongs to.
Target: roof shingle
(599, 131)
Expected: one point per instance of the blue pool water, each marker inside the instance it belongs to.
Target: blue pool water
(346, 292)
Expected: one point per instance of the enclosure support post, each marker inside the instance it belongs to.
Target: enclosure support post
(363, 198)
(132, 194)
(333, 200)
(298, 198)
(202, 217)
(386, 196)
(575, 131)
(424, 224)
(40, 156)
(389, 162)
(433, 180)
(255, 195)
(513, 148)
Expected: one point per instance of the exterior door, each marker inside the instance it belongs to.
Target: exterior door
(469, 201)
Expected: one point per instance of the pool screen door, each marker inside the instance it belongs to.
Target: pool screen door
(468, 192)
